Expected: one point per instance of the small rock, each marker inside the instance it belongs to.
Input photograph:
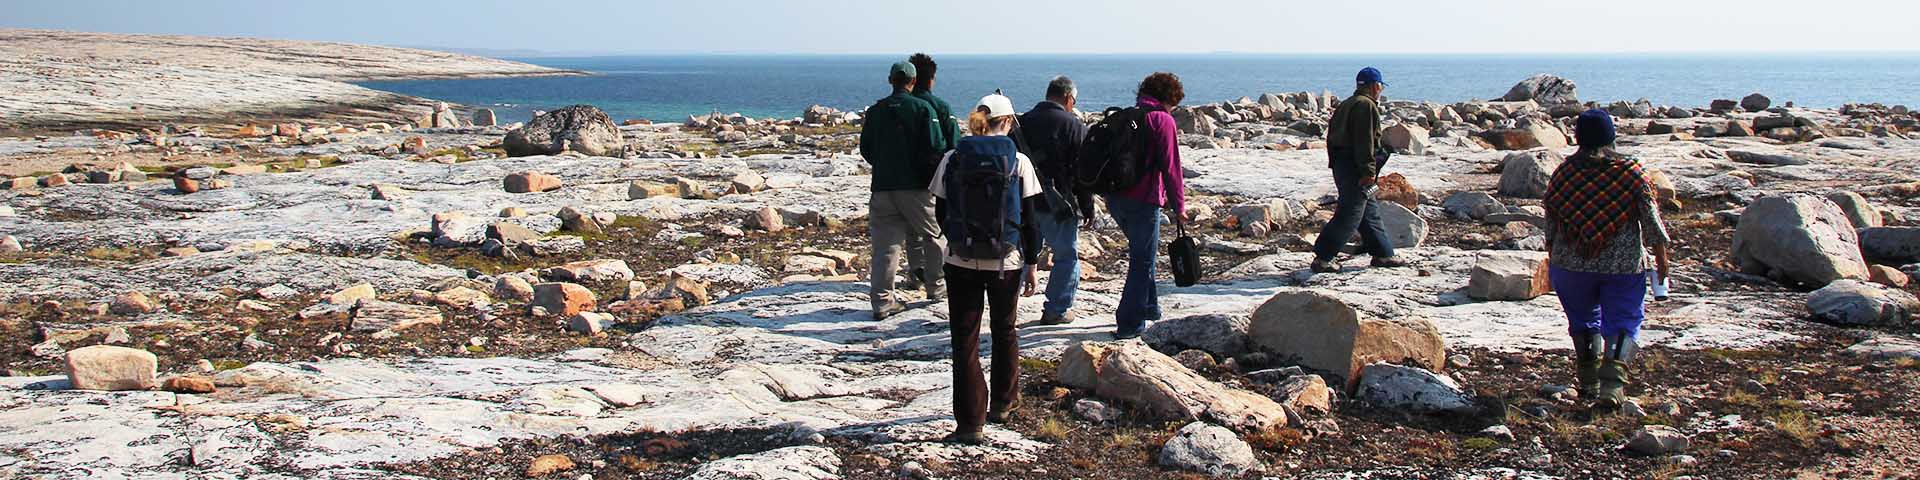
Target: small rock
(352, 295)
(513, 288)
(189, 384)
(1498, 432)
(132, 303)
(1657, 440)
(1095, 411)
(530, 182)
(563, 299)
(1208, 449)
(590, 323)
(549, 464)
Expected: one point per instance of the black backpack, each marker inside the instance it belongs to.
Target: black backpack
(982, 215)
(1115, 156)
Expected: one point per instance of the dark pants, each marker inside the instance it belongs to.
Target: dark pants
(969, 291)
(1354, 212)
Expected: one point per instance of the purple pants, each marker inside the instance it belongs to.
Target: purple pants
(1601, 303)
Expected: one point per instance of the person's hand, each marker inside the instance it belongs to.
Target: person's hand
(1369, 181)
(1031, 280)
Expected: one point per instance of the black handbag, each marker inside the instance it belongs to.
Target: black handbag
(1184, 255)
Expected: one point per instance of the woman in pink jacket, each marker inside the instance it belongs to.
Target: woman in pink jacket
(1137, 210)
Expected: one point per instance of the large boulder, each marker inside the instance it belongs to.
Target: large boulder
(1412, 388)
(1526, 174)
(1406, 139)
(1861, 213)
(110, 368)
(1129, 372)
(1849, 302)
(1325, 333)
(1208, 449)
(1545, 89)
(1509, 275)
(1223, 335)
(1527, 135)
(1893, 245)
(1800, 238)
(579, 128)
(1756, 103)
(1404, 228)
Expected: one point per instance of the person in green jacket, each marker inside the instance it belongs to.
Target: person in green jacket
(1355, 154)
(944, 139)
(900, 139)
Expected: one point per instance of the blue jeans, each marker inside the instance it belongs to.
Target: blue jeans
(1355, 212)
(1607, 304)
(1063, 237)
(1140, 298)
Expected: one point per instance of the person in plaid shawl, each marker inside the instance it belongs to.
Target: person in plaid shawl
(1601, 222)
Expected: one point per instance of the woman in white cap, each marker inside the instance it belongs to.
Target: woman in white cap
(984, 192)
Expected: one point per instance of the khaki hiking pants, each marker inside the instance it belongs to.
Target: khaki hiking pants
(903, 221)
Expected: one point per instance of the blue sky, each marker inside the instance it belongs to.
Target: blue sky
(1024, 26)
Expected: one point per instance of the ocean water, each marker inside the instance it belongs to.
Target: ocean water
(668, 88)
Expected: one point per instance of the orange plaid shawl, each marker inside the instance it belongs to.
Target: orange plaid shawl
(1595, 194)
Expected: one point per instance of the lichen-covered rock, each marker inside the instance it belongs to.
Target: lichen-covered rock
(1544, 88)
(1412, 388)
(579, 128)
(1130, 373)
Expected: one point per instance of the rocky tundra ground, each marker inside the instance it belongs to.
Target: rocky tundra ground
(323, 299)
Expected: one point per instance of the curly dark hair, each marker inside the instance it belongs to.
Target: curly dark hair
(1164, 87)
(926, 67)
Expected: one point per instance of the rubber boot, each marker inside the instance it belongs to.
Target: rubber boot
(1586, 364)
(1613, 372)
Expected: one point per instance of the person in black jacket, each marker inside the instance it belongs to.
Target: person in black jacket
(986, 266)
(1051, 135)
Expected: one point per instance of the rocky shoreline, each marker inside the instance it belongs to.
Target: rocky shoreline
(55, 80)
(436, 296)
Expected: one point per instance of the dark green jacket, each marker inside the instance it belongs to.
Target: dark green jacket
(1355, 131)
(949, 133)
(899, 138)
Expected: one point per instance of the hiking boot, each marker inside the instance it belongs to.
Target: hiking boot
(965, 437)
(1389, 262)
(915, 279)
(1125, 335)
(1051, 318)
(1000, 414)
(1613, 372)
(888, 309)
(1324, 266)
(1586, 364)
(937, 293)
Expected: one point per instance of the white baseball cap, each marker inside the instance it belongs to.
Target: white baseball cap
(997, 105)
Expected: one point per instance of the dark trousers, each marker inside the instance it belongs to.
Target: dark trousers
(969, 292)
(1354, 212)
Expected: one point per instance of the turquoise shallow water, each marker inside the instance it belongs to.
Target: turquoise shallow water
(671, 87)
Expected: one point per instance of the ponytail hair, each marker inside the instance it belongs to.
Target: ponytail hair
(979, 123)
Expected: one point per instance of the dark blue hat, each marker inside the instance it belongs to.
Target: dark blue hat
(1594, 129)
(1369, 75)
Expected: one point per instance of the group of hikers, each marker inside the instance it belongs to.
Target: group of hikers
(971, 214)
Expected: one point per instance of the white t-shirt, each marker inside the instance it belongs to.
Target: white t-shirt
(1029, 187)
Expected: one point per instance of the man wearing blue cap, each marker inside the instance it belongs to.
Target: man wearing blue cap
(900, 138)
(1355, 154)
